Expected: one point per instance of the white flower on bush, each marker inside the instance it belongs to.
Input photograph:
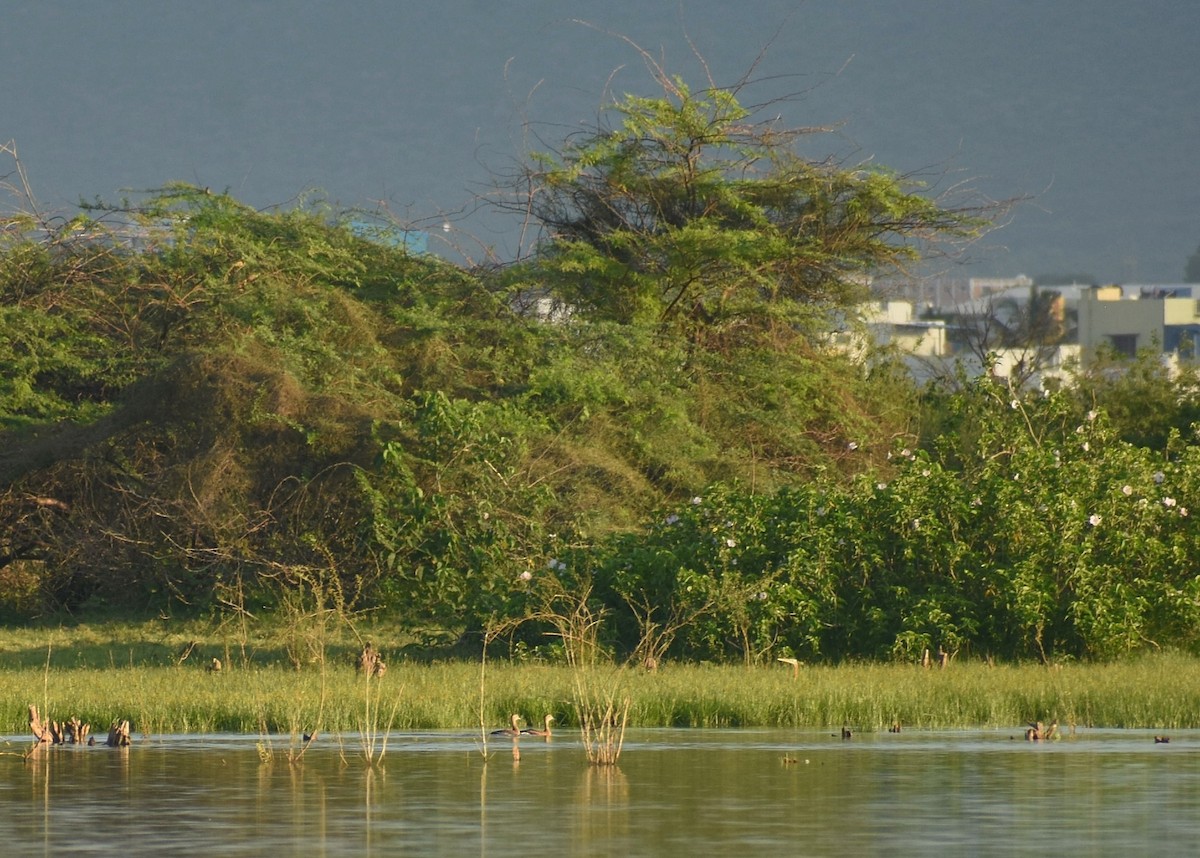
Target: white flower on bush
(1016, 403)
(526, 575)
(852, 446)
(1127, 490)
(1094, 519)
(695, 501)
(1159, 476)
(1086, 446)
(1183, 511)
(880, 486)
(672, 518)
(731, 542)
(1168, 502)
(1091, 415)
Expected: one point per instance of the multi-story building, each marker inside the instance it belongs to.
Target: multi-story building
(1062, 327)
(1127, 319)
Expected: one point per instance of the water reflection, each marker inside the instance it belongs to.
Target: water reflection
(692, 792)
(603, 810)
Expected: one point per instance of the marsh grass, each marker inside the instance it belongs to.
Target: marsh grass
(265, 695)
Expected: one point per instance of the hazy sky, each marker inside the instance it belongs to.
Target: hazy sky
(1090, 107)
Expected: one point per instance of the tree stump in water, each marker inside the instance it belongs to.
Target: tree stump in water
(1038, 731)
(73, 732)
(41, 730)
(76, 731)
(118, 735)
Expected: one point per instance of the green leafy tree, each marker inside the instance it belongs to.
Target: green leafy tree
(689, 213)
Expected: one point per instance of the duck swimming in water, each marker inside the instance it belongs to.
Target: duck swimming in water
(545, 731)
(514, 730)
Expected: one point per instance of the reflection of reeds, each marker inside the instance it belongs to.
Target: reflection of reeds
(605, 784)
(604, 797)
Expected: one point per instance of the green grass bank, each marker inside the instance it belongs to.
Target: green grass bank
(137, 672)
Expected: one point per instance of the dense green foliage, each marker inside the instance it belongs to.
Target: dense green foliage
(212, 408)
(1028, 530)
(242, 402)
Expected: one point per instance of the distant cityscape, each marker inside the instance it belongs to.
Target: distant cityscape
(1025, 332)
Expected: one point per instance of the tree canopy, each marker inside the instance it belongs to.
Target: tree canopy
(687, 212)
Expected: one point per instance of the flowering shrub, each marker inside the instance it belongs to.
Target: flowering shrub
(1047, 536)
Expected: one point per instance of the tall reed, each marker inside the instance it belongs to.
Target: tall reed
(603, 718)
(601, 708)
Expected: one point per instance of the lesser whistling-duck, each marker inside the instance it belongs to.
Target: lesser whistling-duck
(545, 731)
(514, 730)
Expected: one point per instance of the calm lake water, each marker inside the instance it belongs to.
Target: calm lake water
(675, 792)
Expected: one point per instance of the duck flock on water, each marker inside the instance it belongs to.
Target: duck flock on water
(515, 729)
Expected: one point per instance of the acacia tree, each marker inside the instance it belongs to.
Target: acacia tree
(686, 212)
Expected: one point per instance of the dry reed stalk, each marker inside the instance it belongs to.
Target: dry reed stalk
(602, 719)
